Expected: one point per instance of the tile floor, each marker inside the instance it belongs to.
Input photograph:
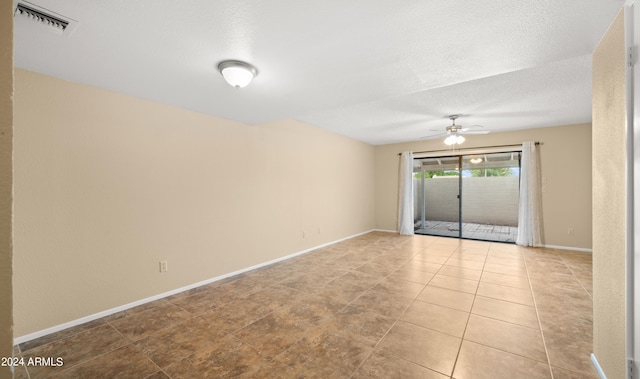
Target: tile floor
(375, 306)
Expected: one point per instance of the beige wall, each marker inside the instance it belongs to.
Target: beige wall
(609, 201)
(6, 125)
(565, 160)
(107, 185)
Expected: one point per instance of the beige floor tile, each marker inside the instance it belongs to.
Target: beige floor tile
(459, 272)
(515, 295)
(273, 297)
(143, 324)
(384, 366)
(273, 333)
(506, 261)
(274, 370)
(327, 356)
(569, 352)
(198, 303)
(20, 372)
(127, 362)
(441, 252)
(76, 349)
(469, 256)
(514, 313)
(412, 275)
(422, 266)
(360, 325)
(305, 282)
(482, 362)
(224, 358)
(505, 280)
(447, 298)
(454, 283)
(560, 373)
(515, 339)
(462, 263)
(506, 270)
(236, 315)
(398, 288)
(173, 344)
(379, 302)
(441, 319)
(434, 350)
(378, 269)
(501, 253)
(430, 258)
(357, 280)
(62, 334)
(158, 375)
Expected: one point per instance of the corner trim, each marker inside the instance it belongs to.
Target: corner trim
(95, 316)
(597, 366)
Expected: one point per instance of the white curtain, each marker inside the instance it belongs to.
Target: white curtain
(529, 204)
(405, 198)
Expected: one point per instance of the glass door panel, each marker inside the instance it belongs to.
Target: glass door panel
(437, 196)
(489, 196)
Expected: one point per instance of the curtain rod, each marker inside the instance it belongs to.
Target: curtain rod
(471, 148)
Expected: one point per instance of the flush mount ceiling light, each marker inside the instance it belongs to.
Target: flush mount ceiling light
(238, 74)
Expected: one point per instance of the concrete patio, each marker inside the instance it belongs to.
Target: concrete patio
(499, 233)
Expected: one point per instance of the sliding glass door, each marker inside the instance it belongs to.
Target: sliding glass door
(468, 196)
(437, 196)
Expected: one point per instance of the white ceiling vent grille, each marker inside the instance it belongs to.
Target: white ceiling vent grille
(27, 13)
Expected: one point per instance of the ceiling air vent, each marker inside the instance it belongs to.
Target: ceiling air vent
(34, 15)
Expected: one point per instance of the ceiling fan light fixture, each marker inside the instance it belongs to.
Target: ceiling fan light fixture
(237, 73)
(454, 139)
(475, 160)
(451, 140)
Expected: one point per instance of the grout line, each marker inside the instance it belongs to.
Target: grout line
(395, 323)
(575, 276)
(535, 304)
(464, 332)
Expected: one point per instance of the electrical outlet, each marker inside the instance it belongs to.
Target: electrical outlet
(163, 266)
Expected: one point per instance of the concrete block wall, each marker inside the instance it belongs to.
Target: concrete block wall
(485, 200)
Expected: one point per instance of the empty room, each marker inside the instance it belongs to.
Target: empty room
(215, 189)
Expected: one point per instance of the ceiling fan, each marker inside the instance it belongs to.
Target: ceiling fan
(454, 132)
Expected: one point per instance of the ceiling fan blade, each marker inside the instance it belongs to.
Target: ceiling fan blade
(473, 132)
(466, 128)
(435, 135)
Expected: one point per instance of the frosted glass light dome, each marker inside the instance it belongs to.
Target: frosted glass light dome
(238, 74)
(454, 139)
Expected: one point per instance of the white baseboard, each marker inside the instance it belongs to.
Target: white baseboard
(581, 249)
(597, 366)
(385, 231)
(95, 316)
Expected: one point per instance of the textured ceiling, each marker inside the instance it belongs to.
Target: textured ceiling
(377, 71)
